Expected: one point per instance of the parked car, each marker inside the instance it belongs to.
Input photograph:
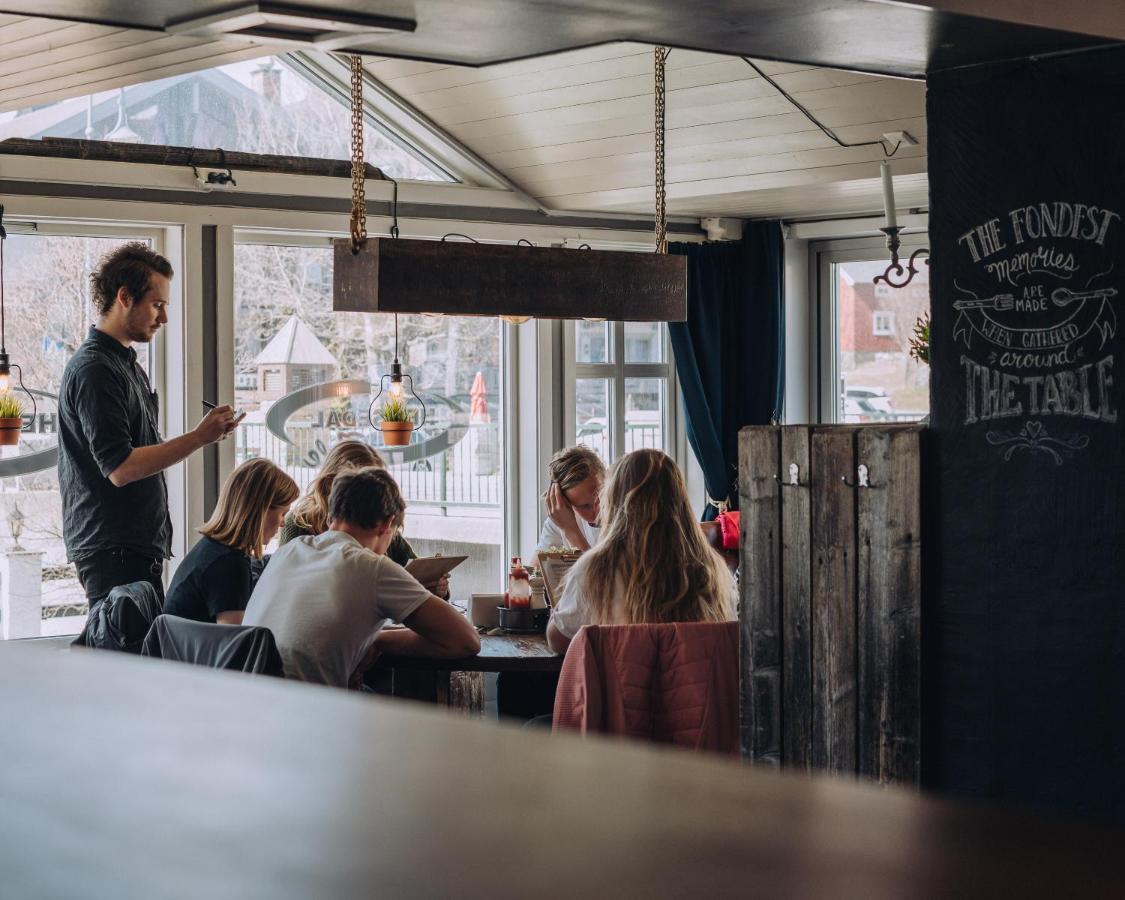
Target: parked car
(867, 404)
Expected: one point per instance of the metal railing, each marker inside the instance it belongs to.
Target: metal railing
(470, 473)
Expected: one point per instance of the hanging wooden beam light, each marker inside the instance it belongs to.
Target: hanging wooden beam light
(408, 276)
(472, 279)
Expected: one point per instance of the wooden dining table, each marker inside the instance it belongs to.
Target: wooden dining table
(436, 681)
(127, 777)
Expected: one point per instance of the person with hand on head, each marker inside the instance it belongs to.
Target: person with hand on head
(310, 515)
(653, 563)
(214, 581)
(575, 476)
(111, 455)
(327, 597)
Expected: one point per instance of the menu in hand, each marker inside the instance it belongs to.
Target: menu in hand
(555, 565)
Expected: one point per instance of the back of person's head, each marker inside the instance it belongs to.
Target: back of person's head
(366, 498)
(651, 542)
(570, 467)
(312, 510)
(129, 266)
(246, 496)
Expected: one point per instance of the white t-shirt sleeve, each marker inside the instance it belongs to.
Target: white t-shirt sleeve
(572, 610)
(550, 536)
(397, 592)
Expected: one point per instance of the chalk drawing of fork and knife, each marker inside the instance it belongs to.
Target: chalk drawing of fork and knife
(1059, 296)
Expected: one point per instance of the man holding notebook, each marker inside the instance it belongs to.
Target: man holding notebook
(327, 597)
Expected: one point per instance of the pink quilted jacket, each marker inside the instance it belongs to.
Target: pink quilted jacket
(674, 684)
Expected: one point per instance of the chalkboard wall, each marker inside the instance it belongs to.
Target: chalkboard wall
(1025, 601)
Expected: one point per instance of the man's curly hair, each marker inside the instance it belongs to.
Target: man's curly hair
(129, 266)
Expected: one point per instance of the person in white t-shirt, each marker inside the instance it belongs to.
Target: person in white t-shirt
(576, 476)
(326, 597)
(652, 564)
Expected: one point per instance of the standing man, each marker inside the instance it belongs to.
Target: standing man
(111, 456)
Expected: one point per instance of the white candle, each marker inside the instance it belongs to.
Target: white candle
(888, 194)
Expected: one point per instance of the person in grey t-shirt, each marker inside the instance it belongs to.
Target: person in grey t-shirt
(327, 597)
(111, 455)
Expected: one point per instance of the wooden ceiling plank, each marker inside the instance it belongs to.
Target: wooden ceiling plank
(636, 170)
(718, 186)
(833, 105)
(73, 49)
(705, 142)
(22, 29)
(205, 55)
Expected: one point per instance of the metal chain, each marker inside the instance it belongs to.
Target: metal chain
(658, 133)
(359, 200)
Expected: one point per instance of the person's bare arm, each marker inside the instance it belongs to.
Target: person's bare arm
(556, 640)
(434, 629)
(563, 515)
(230, 617)
(143, 462)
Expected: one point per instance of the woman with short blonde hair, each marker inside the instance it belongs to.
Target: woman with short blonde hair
(214, 581)
(652, 563)
(310, 515)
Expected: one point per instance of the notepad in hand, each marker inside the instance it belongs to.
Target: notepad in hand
(428, 569)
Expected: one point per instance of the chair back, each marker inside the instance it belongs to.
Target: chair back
(241, 648)
(122, 619)
(672, 683)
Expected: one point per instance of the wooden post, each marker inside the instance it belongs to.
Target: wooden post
(761, 595)
(889, 573)
(796, 604)
(834, 603)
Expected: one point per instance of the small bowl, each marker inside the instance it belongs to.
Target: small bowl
(523, 620)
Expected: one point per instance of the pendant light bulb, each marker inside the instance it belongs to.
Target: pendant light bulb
(395, 390)
(5, 380)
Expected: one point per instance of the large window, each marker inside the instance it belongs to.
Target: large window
(866, 371)
(622, 378)
(47, 298)
(304, 374)
(258, 106)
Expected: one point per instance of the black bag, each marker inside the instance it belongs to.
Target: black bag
(122, 619)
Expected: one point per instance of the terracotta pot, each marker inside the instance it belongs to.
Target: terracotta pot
(396, 434)
(10, 431)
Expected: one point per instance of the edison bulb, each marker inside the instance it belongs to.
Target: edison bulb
(395, 390)
(5, 382)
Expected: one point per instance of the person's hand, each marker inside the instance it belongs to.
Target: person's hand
(560, 511)
(439, 587)
(216, 425)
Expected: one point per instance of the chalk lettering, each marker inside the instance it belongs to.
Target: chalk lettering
(1105, 382)
(1073, 220)
(1078, 393)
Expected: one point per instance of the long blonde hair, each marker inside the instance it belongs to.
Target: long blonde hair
(651, 542)
(247, 495)
(311, 512)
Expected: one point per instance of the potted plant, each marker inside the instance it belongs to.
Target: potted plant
(11, 419)
(396, 422)
(920, 343)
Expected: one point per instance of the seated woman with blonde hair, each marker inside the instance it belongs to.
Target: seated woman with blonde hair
(214, 581)
(310, 515)
(652, 563)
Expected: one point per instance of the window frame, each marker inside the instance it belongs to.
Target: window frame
(823, 255)
(618, 371)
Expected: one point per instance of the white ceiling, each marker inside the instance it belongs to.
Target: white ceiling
(574, 129)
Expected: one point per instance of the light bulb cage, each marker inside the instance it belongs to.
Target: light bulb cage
(395, 376)
(6, 367)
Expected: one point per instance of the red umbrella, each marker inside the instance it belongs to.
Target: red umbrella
(478, 406)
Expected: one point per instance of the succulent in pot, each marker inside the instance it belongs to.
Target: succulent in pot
(396, 422)
(11, 418)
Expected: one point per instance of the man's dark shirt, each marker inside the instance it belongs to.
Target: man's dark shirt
(106, 408)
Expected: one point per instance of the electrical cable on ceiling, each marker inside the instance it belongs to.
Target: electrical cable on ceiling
(828, 131)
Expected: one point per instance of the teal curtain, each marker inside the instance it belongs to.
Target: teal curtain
(730, 351)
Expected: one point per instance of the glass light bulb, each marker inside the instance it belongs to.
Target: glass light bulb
(395, 390)
(5, 382)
